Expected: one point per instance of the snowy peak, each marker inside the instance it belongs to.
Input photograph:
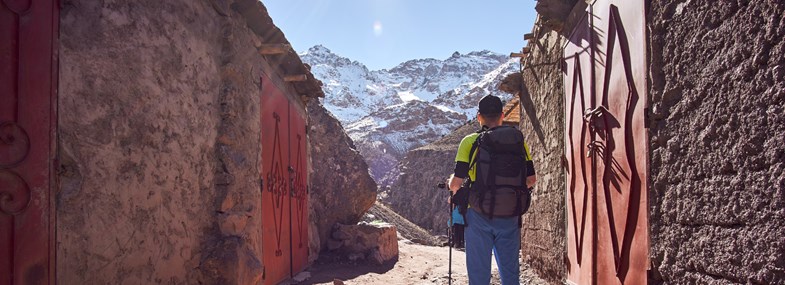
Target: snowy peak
(474, 61)
(317, 49)
(384, 136)
(388, 112)
(319, 54)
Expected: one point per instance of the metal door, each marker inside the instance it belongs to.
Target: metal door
(28, 80)
(578, 67)
(298, 189)
(605, 69)
(276, 210)
(285, 193)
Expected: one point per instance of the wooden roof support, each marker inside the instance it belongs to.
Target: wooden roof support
(523, 53)
(274, 49)
(295, 78)
(528, 36)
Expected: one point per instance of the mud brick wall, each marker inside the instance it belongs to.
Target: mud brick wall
(717, 87)
(159, 144)
(542, 122)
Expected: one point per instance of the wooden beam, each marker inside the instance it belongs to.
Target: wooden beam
(295, 78)
(528, 36)
(274, 49)
(522, 54)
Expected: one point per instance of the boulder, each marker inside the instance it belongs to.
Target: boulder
(373, 242)
(342, 189)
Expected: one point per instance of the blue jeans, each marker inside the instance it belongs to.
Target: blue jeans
(500, 235)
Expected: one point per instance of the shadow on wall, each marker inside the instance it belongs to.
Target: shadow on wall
(514, 84)
(528, 107)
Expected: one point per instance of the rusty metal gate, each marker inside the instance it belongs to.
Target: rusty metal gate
(607, 151)
(28, 80)
(284, 187)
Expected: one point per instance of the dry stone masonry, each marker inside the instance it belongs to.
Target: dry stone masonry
(372, 242)
(717, 84)
(543, 234)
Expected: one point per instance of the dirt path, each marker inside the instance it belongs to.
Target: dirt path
(417, 264)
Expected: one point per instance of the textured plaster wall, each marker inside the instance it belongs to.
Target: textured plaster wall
(138, 121)
(159, 144)
(542, 122)
(717, 86)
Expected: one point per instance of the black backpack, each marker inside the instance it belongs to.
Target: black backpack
(500, 188)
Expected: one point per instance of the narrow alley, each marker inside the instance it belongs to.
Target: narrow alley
(203, 142)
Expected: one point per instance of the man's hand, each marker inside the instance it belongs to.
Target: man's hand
(455, 183)
(531, 180)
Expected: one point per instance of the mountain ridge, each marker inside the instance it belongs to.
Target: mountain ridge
(388, 112)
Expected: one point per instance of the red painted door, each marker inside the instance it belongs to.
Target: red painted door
(298, 189)
(578, 68)
(285, 192)
(608, 239)
(28, 80)
(276, 204)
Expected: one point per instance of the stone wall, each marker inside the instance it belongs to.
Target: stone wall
(717, 87)
(138, 123)
(159, 142)
(543, 234)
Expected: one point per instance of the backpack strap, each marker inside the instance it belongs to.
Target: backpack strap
(518, 192)
(473, 161)
(475, 146)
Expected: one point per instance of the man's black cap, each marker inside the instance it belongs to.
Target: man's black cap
(490, 105)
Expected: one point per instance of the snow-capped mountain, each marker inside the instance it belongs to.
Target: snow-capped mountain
(384, 136)
(389, 112)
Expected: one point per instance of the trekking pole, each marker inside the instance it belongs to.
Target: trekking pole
(451, 238)
(449, 234)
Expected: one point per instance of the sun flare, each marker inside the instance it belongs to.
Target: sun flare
(377, 28)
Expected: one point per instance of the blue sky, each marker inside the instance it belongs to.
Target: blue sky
(383, 33)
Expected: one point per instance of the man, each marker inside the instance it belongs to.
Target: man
(484, 234)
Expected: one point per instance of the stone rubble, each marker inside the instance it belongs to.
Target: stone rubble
(373, 242)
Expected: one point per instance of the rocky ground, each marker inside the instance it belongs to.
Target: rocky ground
(420, 261)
